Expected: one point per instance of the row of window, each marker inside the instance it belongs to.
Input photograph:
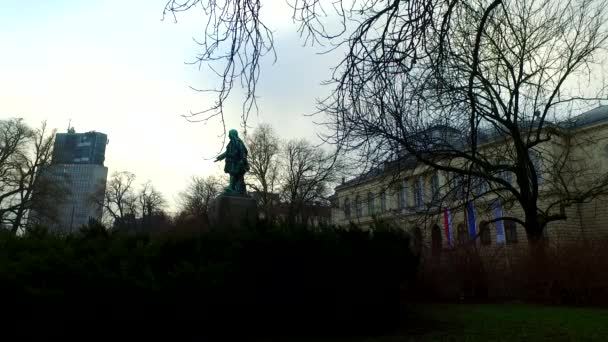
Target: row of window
(419, 191)
(485, 234)
(402, 198)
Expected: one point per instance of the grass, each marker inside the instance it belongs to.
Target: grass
(496, 322)
(514, 322)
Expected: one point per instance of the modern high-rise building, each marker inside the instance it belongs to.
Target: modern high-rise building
(80, 148)
(77, 166)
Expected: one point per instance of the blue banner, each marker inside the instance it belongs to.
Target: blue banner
(471, 219)
(447, 226)
(500, 229)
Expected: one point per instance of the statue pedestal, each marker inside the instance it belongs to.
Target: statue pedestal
(233, 212)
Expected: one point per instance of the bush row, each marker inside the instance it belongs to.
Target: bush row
(572, 273)
(267, 278)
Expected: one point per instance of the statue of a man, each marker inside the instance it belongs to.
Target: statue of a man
(236, 163)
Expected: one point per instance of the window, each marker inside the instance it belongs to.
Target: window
(347, 207)
(435, 189)
(457, 187)
(436, 240)
(370, 204)
(463, 235)
(485, 234)
(480, 186)
(510, 231)
(358, 206)
(419, 192)
(402, 196)
(505, 174)
(383, 201)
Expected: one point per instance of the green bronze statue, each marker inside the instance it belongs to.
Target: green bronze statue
(236, 164)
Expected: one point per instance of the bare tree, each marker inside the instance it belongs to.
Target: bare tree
(25, 155)
(14, 137)
(151, 201)
(264, 163)
(34, 188)
(120, 199)
(488, 70)
(309, 171)
(495, 74)
(196, 198)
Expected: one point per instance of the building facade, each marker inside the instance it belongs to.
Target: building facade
(78, 167)
(441, 213)
(80, 148)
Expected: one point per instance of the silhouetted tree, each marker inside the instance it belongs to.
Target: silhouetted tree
(264, 165)
(152, 203)
(14, 137)
(120, 199)
(24, 155)
(472, 89)
(195, 200)
(489, 69)
(308, 173)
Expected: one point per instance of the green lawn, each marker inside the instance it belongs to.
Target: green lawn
(497, 322)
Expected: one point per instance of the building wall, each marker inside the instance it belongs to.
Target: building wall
(587, 161)
(80, 148)
(85, 185)
(77, 168)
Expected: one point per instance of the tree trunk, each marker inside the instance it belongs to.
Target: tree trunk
(538, 268)
(534, 232)
(17, 222)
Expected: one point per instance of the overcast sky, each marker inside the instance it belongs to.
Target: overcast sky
(113, 66)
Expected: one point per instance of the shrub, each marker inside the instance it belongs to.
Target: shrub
(574, 273)
(266, 278)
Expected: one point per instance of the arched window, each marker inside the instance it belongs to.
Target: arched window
(370, 204)
(485, 235)
(436, 240)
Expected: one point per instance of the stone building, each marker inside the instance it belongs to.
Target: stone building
(415, 197)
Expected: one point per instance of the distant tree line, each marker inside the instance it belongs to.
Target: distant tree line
(128, 207)
(294, 174)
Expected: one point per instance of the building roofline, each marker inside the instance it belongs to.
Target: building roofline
(598, 115)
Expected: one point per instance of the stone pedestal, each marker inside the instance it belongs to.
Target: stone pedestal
(233, 212)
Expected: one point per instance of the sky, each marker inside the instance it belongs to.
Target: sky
(115, 67)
